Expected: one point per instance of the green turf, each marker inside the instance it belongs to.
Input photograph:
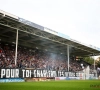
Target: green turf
(53, 85)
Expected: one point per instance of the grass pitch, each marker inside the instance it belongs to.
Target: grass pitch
(53, 85)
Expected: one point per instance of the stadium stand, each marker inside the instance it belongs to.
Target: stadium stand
(35, 58)
(40, 47)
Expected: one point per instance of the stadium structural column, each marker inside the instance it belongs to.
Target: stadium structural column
(94, 61)
(68, 56)
(95, 71)
(16, 47)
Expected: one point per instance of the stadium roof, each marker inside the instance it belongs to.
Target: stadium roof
(33, 35)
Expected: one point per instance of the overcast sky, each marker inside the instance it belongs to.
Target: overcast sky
(79, 19)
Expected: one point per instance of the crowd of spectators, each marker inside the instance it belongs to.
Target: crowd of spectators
(35, 58)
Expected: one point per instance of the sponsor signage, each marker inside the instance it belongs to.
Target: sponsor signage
(12, 80)
(60, 78)
(56, 33)
(8, 14)
(63, 36)
(31, 24)
(50, 31)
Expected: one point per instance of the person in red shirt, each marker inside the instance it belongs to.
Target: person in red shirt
(0, 52)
